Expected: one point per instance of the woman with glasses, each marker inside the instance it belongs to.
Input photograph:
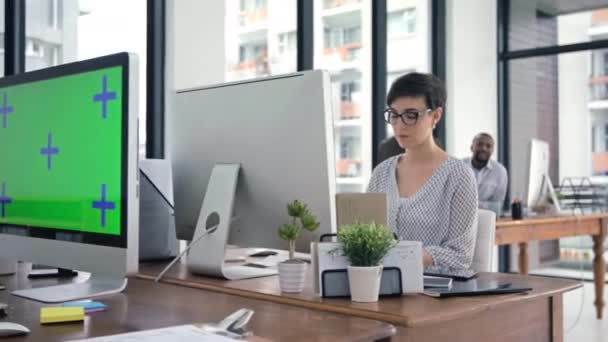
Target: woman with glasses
(432, 197)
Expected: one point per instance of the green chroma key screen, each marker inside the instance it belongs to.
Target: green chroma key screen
(60, 152)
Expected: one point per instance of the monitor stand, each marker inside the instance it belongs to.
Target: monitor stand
(93, 287)
(547, 186)
(206, 255)
(60, 273)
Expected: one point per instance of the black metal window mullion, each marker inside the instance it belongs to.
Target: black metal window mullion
(379, 70)
(305, 35)
(503, 136)
(438, 56)
(14, 37)
(155, 79)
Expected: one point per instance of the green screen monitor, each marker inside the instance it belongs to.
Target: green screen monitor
(68, 172)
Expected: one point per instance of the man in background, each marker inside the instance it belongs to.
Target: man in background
(491, 176)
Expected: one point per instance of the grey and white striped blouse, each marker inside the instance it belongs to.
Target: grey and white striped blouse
(441, 214)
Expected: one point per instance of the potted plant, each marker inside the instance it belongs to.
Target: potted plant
(293, 271)
(365, 245)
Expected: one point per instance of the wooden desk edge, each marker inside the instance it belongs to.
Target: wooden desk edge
(387, 318)
(552, 219)
(362, 313)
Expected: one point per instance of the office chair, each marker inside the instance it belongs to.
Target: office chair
(484, 245)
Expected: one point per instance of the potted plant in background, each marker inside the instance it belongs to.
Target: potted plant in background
(365, 245)
(292, 272)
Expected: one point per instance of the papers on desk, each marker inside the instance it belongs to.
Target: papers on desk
(182, 333)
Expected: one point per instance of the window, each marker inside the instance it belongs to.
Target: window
(605, 138)
(34, 48)
(260, 38)
(343, 41)
(540, 23)
(347, 89)
(401, 22)
(250, 5)
(252, 52)
(341, 36)
(593, 137)
(403, 19)
(288, 42)
(78, 30)
(54, 13)
(352, 35)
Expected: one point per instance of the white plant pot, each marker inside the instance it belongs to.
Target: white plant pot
(292, 276)
(8, 267)
(364, 283)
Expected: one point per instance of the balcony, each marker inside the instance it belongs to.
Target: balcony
(335, 58)
(350, 110)
(598, 88)
(600, 163)
(249, 69)
(253, 17)
(329, 4)
(349, 168)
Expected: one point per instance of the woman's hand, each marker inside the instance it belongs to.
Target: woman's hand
(427, 259)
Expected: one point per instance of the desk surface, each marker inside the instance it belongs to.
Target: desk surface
(509, 222)
(407, 311)
(540, 228)
(147, 305)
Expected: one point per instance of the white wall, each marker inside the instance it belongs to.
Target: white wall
(574, 118)
(194, 48)
(196, 42)
(471, 73)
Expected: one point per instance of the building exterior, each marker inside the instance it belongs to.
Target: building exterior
(261, 40)
(598, 97)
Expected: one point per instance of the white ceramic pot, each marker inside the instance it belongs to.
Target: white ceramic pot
(292, 276)
(8, 267)
(364, 283)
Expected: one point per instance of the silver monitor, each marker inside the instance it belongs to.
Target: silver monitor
(539, 182)
(156, 217)
(68, 177)
(279, 130)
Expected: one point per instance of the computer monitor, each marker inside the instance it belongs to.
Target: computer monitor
(68, 177)
(539, 182)
(279, 130)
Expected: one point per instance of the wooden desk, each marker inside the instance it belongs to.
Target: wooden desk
(550, 228)
(147, 305)
(536, 316)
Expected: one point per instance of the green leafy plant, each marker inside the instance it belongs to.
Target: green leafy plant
(301, 219)
(365, 244)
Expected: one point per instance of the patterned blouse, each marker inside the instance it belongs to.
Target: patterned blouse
(441, 214)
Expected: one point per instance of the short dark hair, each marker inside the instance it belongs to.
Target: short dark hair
(417, 84)
(484, 135)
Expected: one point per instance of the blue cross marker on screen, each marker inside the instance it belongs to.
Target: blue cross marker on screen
(5, 110)
(4, 200)
(49, 151)
(104, 97)
(103, 205)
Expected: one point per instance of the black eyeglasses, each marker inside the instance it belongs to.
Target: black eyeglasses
(409, 117)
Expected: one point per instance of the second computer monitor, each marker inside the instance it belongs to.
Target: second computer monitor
(539, 183)
(280, 131)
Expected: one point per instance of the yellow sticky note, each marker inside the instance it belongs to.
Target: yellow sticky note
(61, 314)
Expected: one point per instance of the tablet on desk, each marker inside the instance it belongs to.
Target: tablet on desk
(475, 287)
(460, 275)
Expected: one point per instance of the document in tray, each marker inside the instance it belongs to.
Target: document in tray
(181, 333)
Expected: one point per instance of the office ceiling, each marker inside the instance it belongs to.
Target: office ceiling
(559, 7)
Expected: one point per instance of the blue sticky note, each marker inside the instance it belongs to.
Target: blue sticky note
(87, 305)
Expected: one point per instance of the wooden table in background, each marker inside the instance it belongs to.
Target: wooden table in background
(523, 231)
(536, 316)
(147, 305)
